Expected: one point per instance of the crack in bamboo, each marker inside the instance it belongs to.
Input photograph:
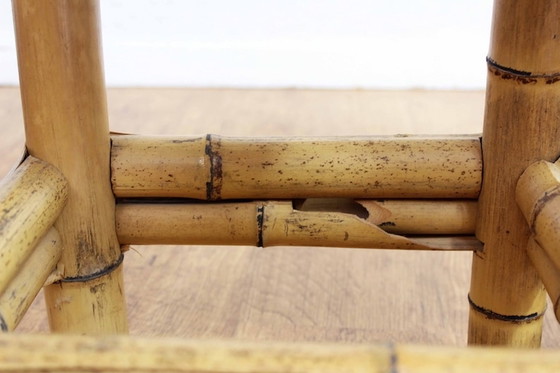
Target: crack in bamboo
(278, 223)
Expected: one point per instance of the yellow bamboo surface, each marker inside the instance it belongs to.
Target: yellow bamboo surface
(22, 290)
(273, 223)
(65, 116)
(520, 126)
(214, 167)
(55, 353)
(548, 272)
(421, 217)
(31, 198)
(537, 195)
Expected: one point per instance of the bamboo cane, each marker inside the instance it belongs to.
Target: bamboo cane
(548, 272)
(22, 290)
(216, 168)
(271, 223)
(536, 194)
(520, 126)
(55, 353)
(31, 198)
(65, 115)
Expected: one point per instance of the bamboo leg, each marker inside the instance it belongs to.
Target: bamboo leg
(520, 126)
(65, 117)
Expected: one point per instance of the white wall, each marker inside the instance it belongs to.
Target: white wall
(287, 43)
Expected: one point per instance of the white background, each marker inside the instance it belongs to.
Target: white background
(376, 44)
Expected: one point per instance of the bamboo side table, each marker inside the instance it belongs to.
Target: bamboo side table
(82, 195)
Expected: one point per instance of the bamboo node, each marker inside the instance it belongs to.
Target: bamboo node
(515, 319)
(214, 185)
(105, 271)
(520, 76)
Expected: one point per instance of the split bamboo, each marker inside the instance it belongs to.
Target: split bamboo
(409, 217)
(214, 168)
(55, 353)
(31, 198)
(520, 126)
(22, 290)
(65, 115)
(278, 223)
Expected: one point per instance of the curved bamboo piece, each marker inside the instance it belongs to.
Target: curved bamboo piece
(214, 168)
(275, 223)
(55, 353)
(22, 290)
(520, 126)
(31, 199)
(65, 115)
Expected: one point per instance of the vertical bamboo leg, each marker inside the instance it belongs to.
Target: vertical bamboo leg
(520, 126)
(65, 114)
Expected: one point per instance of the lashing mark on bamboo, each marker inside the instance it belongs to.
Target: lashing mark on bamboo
(520, 76)
(93, 276)
(516, 319)
(214, 185)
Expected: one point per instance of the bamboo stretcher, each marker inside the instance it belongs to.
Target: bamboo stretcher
(70, 210)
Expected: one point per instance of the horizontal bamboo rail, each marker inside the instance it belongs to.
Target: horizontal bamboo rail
(56, 353)
(214, 168)
(22, 290)
(278, 223)
(31, 198)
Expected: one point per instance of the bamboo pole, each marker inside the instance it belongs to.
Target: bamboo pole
(548, 272)
(536, 194)
(215, 168)
(55, 353)
(22, 290)
(65, 115)
(272, 223)
(31, 198)
(520, 126)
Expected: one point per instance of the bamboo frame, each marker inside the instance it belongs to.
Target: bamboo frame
(214, 168)
(522, 106)
(31, 199)
(278, 223)
(24, 287)
(59, 41)
(65, 116)
(57, 353)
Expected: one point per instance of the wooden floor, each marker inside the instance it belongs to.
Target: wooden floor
(303, 294)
